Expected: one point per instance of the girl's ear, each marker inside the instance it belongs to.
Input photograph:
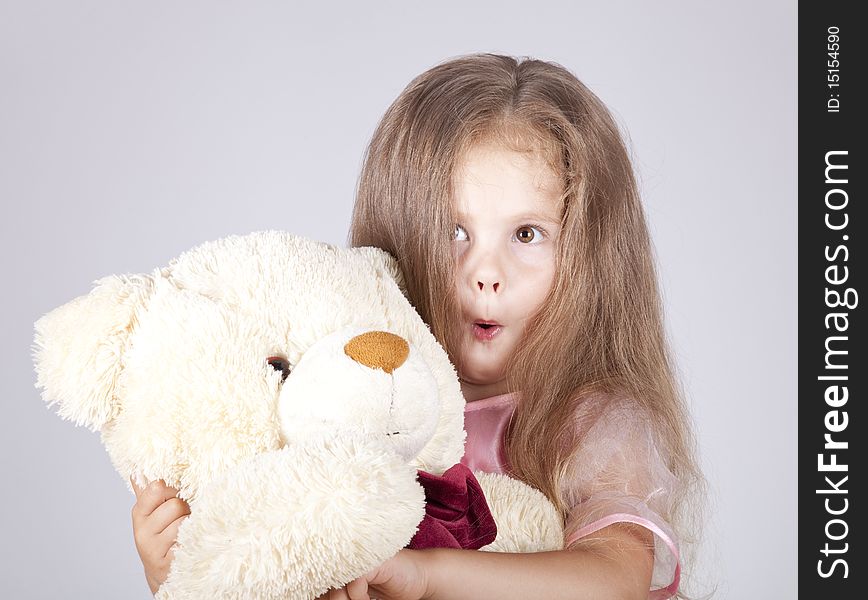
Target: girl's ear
(78, 348)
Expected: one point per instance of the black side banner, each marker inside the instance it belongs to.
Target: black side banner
(832, 334)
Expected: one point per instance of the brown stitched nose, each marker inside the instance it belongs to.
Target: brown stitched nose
(378, 350)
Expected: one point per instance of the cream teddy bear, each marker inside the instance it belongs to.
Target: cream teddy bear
(291, 393)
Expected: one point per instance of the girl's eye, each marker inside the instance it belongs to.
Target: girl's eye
(459, 232)
(278, 363)
(529, 234)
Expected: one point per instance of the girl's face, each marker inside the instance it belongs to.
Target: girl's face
(509, 218)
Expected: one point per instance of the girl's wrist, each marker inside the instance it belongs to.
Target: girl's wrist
(431, 568)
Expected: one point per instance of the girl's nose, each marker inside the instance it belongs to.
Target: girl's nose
(484, 267)
(488, 274)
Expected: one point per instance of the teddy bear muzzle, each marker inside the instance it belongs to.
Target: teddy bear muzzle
(361, 382)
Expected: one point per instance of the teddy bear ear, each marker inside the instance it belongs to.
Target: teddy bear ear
(78, 348)
(385, 261)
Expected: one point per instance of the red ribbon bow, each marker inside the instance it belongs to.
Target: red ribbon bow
(456, 513)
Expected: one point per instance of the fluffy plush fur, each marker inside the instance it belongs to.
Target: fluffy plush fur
(300, 470)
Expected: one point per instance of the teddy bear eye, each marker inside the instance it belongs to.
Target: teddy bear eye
(278, 363)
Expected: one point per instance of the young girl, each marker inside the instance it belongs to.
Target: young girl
(505, 192)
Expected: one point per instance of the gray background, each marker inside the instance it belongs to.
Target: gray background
(130, 132)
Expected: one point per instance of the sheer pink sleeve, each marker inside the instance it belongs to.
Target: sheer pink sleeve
(618, 475)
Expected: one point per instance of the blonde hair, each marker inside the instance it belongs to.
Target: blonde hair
(604, 304)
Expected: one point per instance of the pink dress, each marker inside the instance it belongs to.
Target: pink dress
(616, 476)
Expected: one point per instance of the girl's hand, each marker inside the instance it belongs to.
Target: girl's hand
(402, 577)
(157, 514)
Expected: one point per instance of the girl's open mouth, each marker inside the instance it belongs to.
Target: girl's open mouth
(485, 330)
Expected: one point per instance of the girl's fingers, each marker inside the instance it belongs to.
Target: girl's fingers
(170, 533)
(162, 550)
(342, 593)
(357, 589)
(153, 496)
(166, 514)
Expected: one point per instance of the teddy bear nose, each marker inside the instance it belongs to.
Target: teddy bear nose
(378, 350)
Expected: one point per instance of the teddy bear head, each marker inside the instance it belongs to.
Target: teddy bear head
(246, 345)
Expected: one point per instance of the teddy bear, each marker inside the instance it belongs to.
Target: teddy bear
(291, 393)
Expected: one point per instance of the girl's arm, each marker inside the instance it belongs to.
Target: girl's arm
(615, 565)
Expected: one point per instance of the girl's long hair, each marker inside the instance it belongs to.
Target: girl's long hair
(600, 331)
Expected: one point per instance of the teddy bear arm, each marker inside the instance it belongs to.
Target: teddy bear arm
(526, 520)
(294, 522)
